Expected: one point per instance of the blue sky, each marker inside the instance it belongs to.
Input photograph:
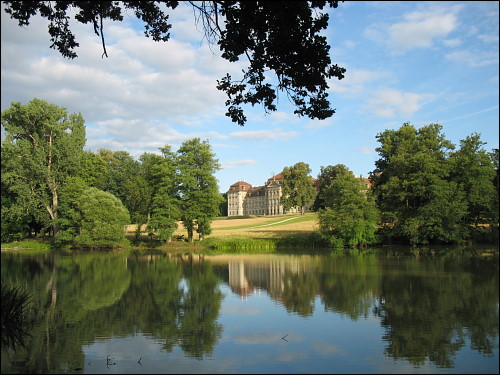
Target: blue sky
(418, 62)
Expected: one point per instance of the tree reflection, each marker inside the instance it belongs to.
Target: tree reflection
(299, 292)
(198, 328)
(79, 299)
(430, 311)
(15, 302)
(349, 284)
(430, 306)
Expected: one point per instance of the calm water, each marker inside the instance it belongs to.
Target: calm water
(370, 312)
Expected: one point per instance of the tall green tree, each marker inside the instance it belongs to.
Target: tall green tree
(141, 188)
(473, 169)
(70, 213)
(165, 203)
(326, 177)
(197, 186)
(419, 202)
(121, 168)
(298, 189)
(280, 37)
(350, 216)
(495, 160)
(103, 217)
(42, 146)
(93, 170)
(89, 216)
(223, 205)
(20, 218)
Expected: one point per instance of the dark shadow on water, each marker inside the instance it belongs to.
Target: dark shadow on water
(15, 302)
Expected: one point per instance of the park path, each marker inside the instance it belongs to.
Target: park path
(278, 222)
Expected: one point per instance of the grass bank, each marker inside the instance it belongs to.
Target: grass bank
(264, 245)
(264, 234)
(248, 234)
(31, 246)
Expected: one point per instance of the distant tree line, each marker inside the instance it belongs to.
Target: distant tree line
(52, 186)
(423, 190)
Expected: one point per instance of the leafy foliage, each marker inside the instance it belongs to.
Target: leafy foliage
(427, 193)
(349, 216)
(103, 217)
(70, 217)
(164, 211)
(473, 169)
(198, 189)
(42, 147)
(298, 188)
(325, 179)
(279, 36)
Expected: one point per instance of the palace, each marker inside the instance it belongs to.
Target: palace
(245, 199)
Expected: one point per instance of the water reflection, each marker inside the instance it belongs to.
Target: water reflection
(430, 306)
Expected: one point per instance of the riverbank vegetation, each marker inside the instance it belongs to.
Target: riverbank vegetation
(423, 190)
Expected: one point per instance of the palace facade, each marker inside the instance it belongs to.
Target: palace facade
(245, 199)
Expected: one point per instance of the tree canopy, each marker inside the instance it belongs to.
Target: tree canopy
(429, 193)
(349, 216)
(197, 186)
(283, 37)
(298, 186)
(42, 147)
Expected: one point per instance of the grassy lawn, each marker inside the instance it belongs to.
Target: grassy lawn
(256, 227)
(260, 227)
(27, 246)
(240, 229)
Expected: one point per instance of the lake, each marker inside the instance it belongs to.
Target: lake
(374, 311)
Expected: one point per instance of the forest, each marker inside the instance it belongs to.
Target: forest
(423, 188)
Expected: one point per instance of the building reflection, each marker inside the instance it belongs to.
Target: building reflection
(247, 276)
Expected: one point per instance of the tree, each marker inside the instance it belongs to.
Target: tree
(223, 205)
(197, 186)
(121, 169)
(103, 217)
(142, 187)
(43, 146)
(93, 170)
(419, 202)
(162, 180)
(495, 157)
(472, 168)
(20, 217)
(325, 179)
(279, 36)
(350, 216)
(70, 214)
(298, 188)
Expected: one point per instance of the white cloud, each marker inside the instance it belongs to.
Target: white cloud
(419, 29)
(477, 59)
(140, 79)
(231, 164)
(389, 103)
(366, 150)
(356, 80)
(138, 135)
(265, 135)
(452, 42)
(486, 38)
(319, 124)
(282, 117)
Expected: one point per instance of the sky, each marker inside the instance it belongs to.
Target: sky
(417, 62)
